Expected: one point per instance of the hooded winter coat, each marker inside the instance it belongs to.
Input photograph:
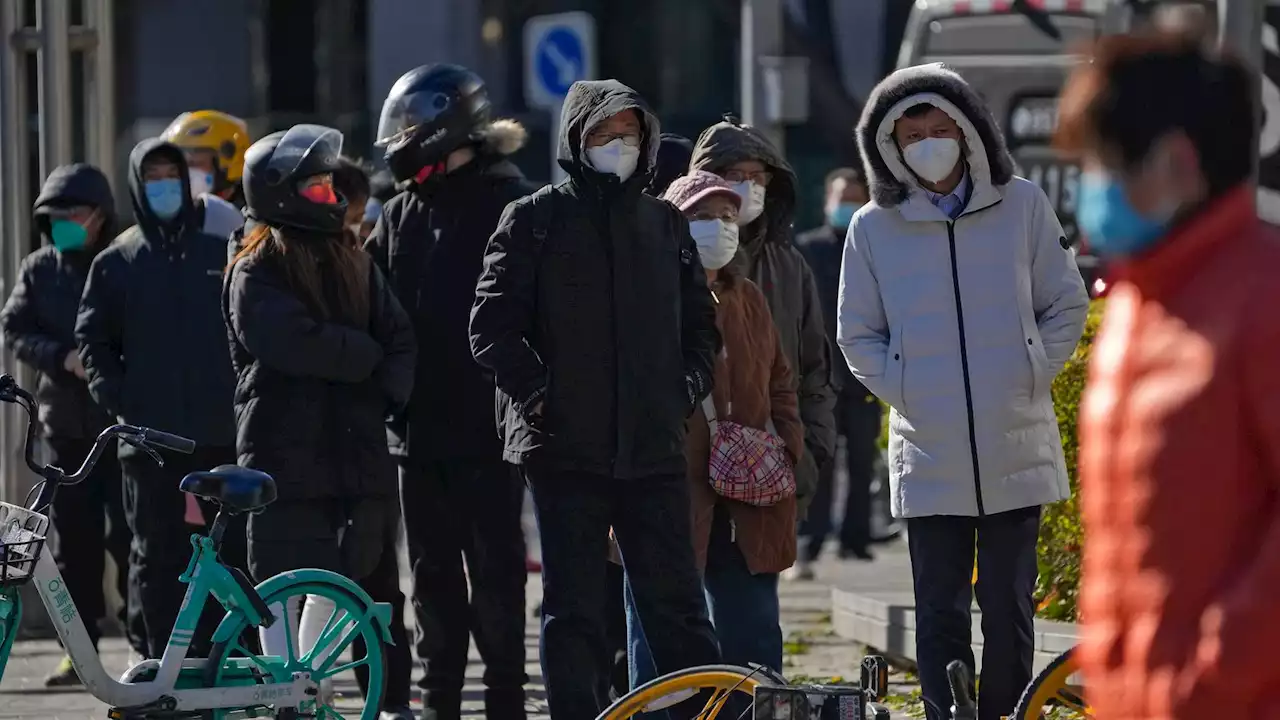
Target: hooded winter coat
(430, 242)
(607, 320)
(150, 326)
(768, 257)
(959, 325)
(313, 393)
(39, 318)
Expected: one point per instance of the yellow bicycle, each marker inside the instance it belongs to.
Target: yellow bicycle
(717, 683)
(1054, 689)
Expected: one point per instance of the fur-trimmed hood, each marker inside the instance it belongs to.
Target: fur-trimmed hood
(503, 137)
(888, 178)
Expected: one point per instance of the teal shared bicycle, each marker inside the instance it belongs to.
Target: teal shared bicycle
(235, 681)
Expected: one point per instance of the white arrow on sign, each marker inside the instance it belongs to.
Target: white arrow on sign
(566, 68)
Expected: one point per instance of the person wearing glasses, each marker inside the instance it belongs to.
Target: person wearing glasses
(593, 314)
(75, 216)
(767, 256)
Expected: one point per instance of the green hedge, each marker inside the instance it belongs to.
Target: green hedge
(1060, 531)
(1061, 535)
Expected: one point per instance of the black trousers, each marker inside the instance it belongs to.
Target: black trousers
(650, 518)
(87, 515)
(456, 510)
(355, 537)
(155, 509)
(858, 422)
(383, 585)
(942, 555)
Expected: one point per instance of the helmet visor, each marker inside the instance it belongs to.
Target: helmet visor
(402, 114)
(315, 145)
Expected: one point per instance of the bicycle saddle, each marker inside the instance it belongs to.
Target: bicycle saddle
(232, 487)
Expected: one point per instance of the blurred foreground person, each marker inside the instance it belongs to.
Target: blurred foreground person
(214, 143)
(1180, 425)
(75, 214)
(594, 316)
(154, 349)
(461, 499)
(959, 303)
(323, 353)
(857, 413)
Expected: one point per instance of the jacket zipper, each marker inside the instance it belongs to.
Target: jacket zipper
(964, 366)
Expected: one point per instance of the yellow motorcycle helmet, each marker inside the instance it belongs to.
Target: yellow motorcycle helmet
(226, 136)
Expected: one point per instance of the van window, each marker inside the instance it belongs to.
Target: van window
(1005, 35)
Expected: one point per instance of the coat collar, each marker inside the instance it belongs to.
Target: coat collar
(1226, 219)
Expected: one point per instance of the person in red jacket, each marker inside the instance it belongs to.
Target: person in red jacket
(1180, 425)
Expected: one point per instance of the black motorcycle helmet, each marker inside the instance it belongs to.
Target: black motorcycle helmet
(275, 171)
(431, 111)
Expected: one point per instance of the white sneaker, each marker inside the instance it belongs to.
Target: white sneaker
(802, 571)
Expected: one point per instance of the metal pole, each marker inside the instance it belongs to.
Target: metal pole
(13, 223)
(102, 130)
(761, 37)
(55, 86)
(1241, 32)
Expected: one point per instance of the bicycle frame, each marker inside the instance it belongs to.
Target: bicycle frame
(205, 577)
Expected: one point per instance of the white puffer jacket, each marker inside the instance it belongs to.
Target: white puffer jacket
(959, 326)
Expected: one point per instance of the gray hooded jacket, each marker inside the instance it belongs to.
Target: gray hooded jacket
(769, 258)
(959, 325)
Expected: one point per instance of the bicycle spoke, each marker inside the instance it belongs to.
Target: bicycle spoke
(326, 638)
(330, 712)
(339, 646)
(319, 674)
(257, 660)
(714, 704)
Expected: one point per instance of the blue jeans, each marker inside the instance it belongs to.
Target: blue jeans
(744, 609)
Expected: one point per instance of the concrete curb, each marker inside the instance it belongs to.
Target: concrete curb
(886, 622)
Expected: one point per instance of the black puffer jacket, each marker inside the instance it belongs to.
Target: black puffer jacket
(150, 326)
(39, 320)
(430, 242)
(312, 396)
(822, 248)
(607, 320)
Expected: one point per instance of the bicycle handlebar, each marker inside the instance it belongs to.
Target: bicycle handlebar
(140, 437)
(961, 692)
(176, 443)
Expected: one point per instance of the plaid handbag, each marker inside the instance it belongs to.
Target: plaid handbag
(748, 464)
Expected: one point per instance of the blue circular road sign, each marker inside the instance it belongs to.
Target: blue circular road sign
(560, 60)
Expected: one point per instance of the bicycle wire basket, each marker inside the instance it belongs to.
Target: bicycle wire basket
(22, 538)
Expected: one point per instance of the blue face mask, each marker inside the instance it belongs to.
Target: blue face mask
(164, 197)
(1109, 222)
(841, 215)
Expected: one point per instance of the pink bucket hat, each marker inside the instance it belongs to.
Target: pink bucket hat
(688, 190)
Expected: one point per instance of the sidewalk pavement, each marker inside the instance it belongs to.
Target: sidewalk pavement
(874, 604)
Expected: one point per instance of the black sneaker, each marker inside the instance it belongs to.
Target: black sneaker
(63, 676)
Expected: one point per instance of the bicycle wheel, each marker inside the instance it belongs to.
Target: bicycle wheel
(346, 623)
(669, 690)
(1052, 689)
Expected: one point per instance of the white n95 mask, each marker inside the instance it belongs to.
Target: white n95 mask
(932, 159)
(614, 157)
(752, 201)
(717, 241)
(201, 182)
